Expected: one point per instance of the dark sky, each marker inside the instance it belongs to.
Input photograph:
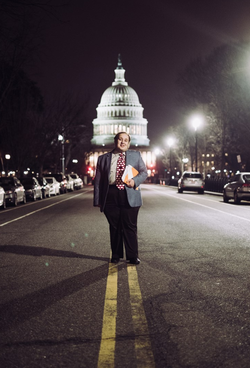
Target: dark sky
(156, 40)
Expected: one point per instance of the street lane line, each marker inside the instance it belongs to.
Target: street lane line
(40, 209)
(107, 348)
(143, 349)
(203, 205)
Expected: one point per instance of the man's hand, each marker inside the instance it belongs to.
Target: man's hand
(130, 183)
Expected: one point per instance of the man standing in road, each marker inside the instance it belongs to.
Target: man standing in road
(120, 202)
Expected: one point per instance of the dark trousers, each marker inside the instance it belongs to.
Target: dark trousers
(122, 221)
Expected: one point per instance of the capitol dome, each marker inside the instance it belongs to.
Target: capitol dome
(119, 110)
(120, 95)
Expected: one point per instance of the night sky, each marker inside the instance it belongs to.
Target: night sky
(156, 39)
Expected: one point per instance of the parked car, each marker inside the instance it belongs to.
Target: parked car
(191, 180)
(2, 198)
(53, 184)
(238, 188)
(14, 190)
(78, 183)
(70, 183)
(61, 179)
(32, 188)
(45, 186)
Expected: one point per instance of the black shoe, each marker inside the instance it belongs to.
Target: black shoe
(135, 261)
(115, 260)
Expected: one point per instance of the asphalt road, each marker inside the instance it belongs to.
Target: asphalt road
(186, 305)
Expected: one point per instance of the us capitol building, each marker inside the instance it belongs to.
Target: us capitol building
(120, 110)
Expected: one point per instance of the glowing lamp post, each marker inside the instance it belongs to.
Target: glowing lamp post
(185, 161)
(61, 139)
(170, 143)
(7, 157)
(196, 122)
(157, 152)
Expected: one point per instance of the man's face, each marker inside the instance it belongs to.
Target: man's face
(122, 144)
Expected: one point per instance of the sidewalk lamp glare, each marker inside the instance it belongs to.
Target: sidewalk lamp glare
(170, 142)
(185, 161)
(61, 139)
(196, 121)
(7, 157)
(157, 151)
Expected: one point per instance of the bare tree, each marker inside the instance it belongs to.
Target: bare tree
(219, 83)
(64, 116)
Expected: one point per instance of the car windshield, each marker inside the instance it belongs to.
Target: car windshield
(49, 180)
(247, 178)
(192, 175)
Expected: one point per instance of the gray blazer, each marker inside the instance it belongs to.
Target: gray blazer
(101, 185)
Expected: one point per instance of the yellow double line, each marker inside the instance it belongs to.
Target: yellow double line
(143, 350)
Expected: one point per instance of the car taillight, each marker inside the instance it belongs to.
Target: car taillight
(245, 185)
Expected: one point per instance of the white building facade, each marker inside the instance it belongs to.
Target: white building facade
(120, 110)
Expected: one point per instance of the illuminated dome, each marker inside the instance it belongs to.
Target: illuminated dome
(120, 95)
(119, 110)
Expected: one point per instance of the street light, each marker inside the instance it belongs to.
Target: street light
(196, 122)
(7, 157)
(157, 152)
(184, 162)
(170, 142)
(61, 139)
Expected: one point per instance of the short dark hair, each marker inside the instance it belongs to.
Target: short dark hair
(118, 134)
